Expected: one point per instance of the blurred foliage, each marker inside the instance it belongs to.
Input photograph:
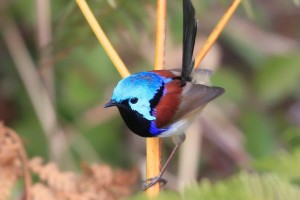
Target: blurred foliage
(262, 89)
(285, 165)
(272, 82)
(242, 186)
(277, 179)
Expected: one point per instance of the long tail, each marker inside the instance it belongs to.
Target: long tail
(189, 35)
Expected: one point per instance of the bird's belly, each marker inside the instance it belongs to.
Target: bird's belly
(177, 128)
(180, 126)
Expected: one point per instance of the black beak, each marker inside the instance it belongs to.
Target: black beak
(110, 103)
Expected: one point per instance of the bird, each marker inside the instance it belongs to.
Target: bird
(163, 103)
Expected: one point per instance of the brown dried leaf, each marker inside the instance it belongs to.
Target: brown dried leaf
(49, 173)
(42, 192)
(97, 182)
(12, 161)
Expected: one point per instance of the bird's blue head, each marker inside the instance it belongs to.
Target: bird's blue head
(137, 91)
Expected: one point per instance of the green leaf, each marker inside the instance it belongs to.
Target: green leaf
(278, 78)
(246, 187)
(258, 130)
(106, 139)
(232, 82)
(77, 93)
(292, 136)
(242, 47)
(284, 164)
(243, 186)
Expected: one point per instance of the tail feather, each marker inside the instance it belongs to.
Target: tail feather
(189, 35)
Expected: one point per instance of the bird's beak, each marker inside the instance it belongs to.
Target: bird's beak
(110, 103)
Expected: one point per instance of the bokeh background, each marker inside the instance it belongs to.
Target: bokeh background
(55, 78)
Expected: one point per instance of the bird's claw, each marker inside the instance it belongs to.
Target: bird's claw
(152, 181)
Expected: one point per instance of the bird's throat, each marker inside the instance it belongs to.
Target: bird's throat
(136, 122)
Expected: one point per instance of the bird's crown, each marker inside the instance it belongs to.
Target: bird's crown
(139, 89)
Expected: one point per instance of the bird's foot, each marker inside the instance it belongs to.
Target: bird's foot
(152, 181)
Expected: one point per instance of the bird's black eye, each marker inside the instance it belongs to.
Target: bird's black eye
(134, 100)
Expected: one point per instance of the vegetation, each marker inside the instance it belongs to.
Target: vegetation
(249, 139)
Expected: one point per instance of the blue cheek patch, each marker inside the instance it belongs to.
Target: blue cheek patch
(143, 107)
(144, 86)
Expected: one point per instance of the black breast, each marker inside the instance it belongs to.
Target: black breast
(135, 121)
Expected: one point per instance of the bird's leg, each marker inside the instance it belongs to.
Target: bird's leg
(158, 179)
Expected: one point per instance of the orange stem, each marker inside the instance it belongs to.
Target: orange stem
(113, 55)
(154, 144)
(216, 32)
(160, 34)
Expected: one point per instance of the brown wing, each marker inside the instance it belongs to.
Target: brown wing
(169, 103)
(195, 97)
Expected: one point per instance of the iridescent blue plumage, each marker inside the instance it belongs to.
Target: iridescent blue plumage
(154, 130)
(143, 86)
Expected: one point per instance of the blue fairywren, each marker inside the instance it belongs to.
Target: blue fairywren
(162, 103)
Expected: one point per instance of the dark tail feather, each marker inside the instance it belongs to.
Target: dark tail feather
(189, 35)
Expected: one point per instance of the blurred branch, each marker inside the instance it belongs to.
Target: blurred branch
(268, 43)
(154, 144)
(226, 136)
(44, 40)
(190, 154)
(37, 93)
